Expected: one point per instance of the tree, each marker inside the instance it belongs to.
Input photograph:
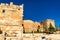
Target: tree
(51, 29)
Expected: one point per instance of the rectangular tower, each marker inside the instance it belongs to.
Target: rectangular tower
(11, 20)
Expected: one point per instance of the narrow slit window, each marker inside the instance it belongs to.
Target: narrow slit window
(22, 25)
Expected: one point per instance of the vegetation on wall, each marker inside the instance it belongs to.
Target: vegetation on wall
(51, 29)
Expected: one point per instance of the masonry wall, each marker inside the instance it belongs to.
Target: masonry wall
(47, 23)
(11, 20)
(28, 25)
(11, 14)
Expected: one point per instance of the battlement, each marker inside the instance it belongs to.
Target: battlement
(11, 5)
(11, 13)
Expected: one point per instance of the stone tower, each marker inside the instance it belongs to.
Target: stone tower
(11, 14)
(47, 22)
(11, 19)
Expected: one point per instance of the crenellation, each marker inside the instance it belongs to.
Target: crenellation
(2, 4)
(11, 3)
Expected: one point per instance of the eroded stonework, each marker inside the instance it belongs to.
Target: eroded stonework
(11, 20)
(30, 26)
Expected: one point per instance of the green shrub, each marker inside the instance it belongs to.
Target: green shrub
(51, 29)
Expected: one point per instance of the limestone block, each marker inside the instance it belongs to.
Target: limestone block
(28, 25)
(1, 37)
(11, 14)
(27, 38)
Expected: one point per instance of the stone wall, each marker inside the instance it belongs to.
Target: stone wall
(11, 14)
(32, 37)
(39, 36)
(11, 20)
(2, 36)
(47, 22)
(28, 25)
(13, 38)
(13, 33)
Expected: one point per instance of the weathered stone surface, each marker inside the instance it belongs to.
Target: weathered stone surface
(11, 14)
(28, 25)
(11, 20)
(1, 37)
(47, 23)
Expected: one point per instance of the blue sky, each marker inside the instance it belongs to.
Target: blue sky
(38, 10)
